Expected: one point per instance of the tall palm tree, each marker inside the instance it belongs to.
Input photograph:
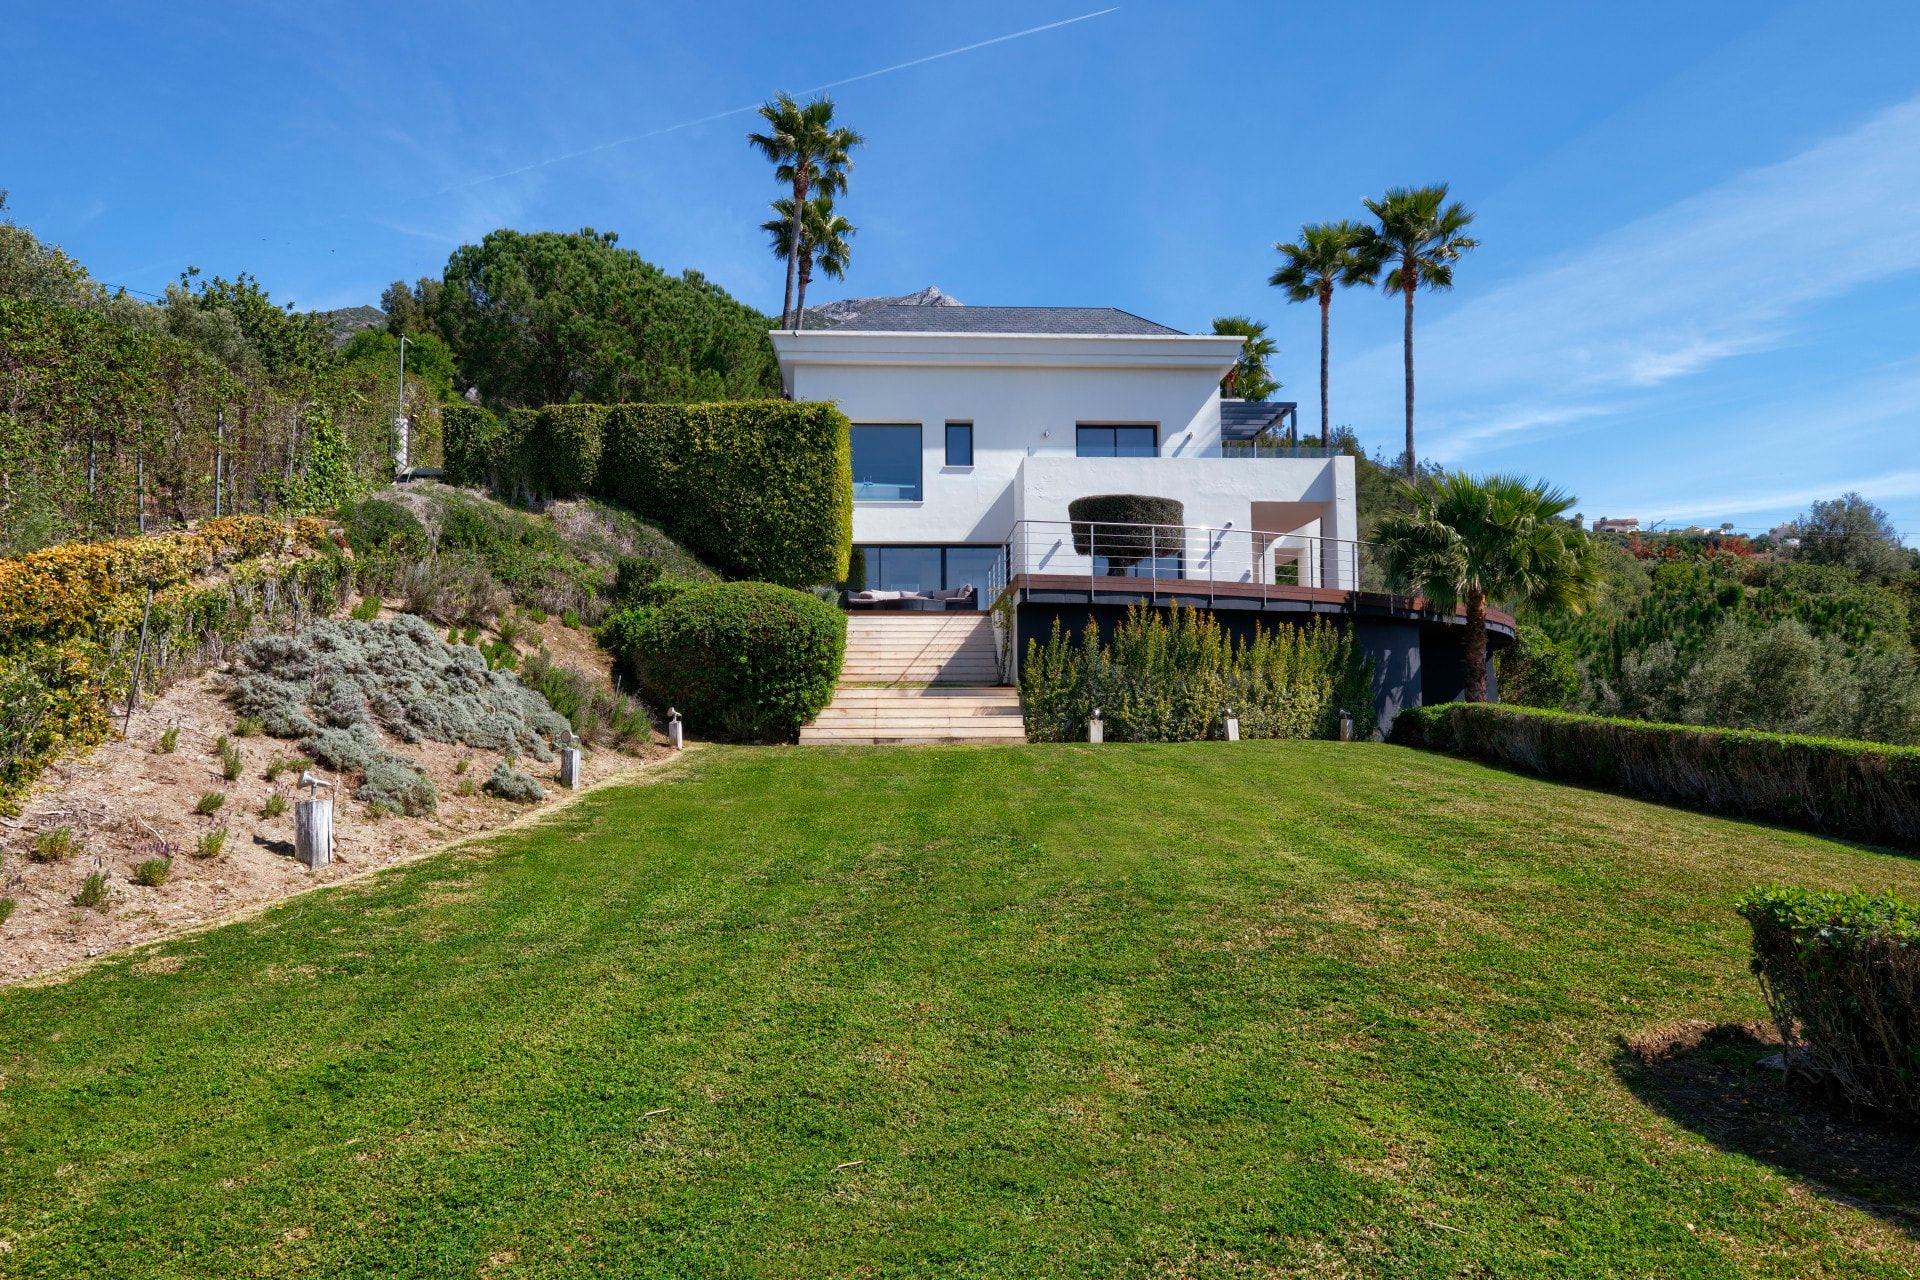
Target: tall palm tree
(1249, 378)
(823, 242)
(1420, 234)
(1328, 256)
(809, 153)
(1502, 540)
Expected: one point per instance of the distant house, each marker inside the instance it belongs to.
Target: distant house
(975, 428)
(1617, 524)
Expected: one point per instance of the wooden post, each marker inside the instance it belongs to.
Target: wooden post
(1233, 727)
(313, 832)
(1346, 726)
(139, 656)
(570, 767)
(1096, 730)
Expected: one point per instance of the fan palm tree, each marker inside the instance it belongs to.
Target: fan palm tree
(809, 153)
(1421, 236)
(1328, 256)
(1501, 539)
(1249, 378)
(823, 243)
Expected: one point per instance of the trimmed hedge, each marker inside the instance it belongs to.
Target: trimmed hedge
(1122, 548)
(1854, 790)
(1841, 974)
(748, 661)
(760, 489)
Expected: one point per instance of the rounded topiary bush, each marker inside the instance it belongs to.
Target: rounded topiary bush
(1123, 548)
(747, 661)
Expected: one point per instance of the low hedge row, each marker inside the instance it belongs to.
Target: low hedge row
(759, 489)
(747, 661)
(1841, 974)
(1854, 790)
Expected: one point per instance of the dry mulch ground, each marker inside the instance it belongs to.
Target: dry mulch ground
(124, 797)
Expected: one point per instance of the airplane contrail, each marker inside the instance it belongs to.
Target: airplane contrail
(754, 106)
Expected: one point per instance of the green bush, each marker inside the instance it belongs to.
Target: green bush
(1854, 790)
(1123, 548)
(94, 892)
(375, 525)
(209, 803)
(1174, 677)
(152, 872)
(1841, 974)
(599, 716)
(55, 845)
(510, 784)
(6, 908)
(748, 661)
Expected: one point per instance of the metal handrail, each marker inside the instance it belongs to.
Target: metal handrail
(1242, 556)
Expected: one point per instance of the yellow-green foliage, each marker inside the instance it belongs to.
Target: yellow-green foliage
(88, 587)
(1174, 676)
(70, 619)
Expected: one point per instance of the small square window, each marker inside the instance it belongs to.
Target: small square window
(959, 444)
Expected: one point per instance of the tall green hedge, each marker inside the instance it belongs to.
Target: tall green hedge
(760, 489)
(1855, 790)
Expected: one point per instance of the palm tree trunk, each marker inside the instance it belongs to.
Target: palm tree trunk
(1406, 346)
(1326, 431)
(800, 296)
(1476, 645)
(801, 174)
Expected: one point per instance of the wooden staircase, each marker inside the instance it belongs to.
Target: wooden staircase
(919, 678)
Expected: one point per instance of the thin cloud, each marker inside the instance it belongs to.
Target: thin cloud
(754, 106)
(1722, 274)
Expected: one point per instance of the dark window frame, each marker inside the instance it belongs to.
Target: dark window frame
(967, 429)
(919, 453)
(1113, 430)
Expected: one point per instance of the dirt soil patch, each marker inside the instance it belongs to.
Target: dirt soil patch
(126, 802)
(1711, 1078)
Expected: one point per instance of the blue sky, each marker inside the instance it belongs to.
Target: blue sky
(1698, 297)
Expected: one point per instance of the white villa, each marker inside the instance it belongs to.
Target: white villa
(974, 428)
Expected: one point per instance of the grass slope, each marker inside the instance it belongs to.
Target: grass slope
(1275, 1008)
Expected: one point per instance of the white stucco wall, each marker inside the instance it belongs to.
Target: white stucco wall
(1312, 498)
(1025, 395)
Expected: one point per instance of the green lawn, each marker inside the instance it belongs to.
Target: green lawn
(1199, 1010)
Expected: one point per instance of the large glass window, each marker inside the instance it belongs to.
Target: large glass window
(925, 569)
(886, 462)
(1116, 442)
(959, 444)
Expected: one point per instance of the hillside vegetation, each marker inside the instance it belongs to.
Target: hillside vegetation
(1264, 1008)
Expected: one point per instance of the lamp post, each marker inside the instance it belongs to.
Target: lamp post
(400, 417)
